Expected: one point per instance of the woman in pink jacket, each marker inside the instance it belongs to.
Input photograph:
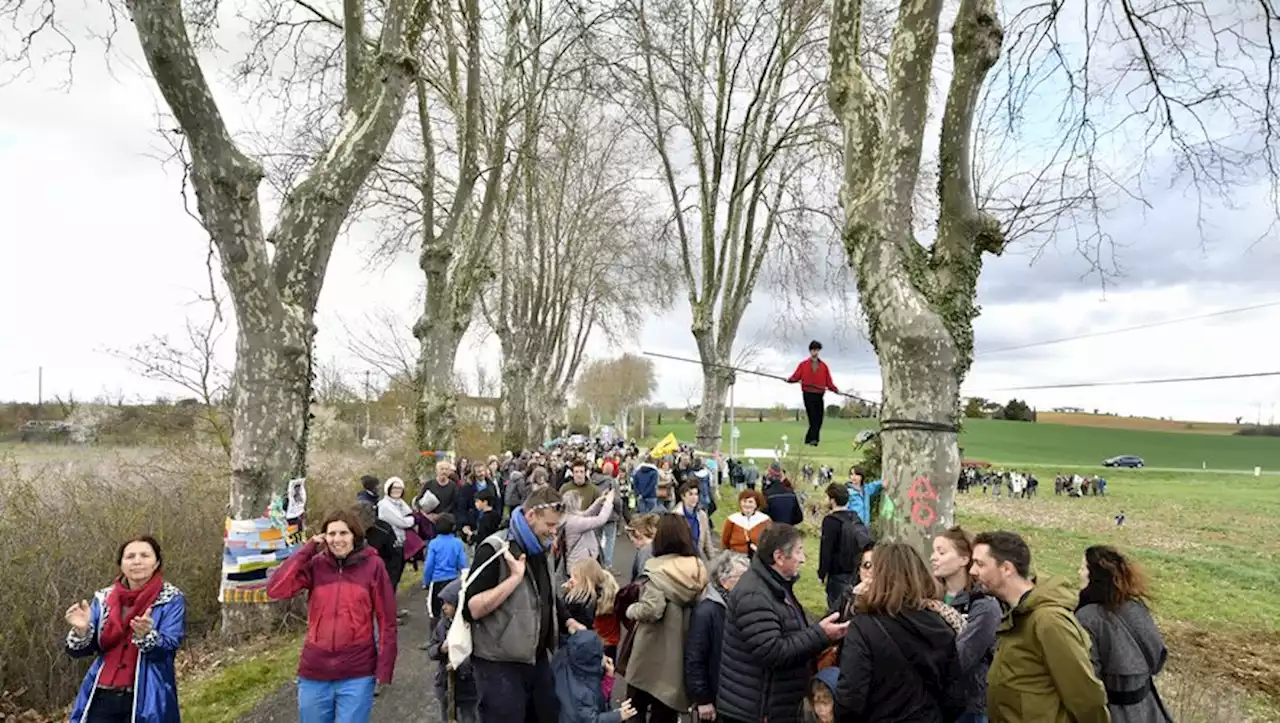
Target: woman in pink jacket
(350, 646)
(580, 527)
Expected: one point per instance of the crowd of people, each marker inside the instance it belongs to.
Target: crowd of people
(1011, 484)
(531, 621)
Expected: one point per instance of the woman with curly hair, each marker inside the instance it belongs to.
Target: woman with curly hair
(742, 529)
(1127, 649)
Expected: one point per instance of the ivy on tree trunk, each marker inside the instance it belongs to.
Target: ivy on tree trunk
(919, 301)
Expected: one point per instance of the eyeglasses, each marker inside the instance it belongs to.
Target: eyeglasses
(557, 506)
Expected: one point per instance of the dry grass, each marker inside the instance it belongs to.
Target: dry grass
(1144, 423)
(63, 513)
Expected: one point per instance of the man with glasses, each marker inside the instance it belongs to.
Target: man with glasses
(516, 617)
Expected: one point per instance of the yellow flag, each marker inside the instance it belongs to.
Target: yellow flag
(667, 446)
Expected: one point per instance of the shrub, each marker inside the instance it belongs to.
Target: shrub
(1264, 430)
(62, 518)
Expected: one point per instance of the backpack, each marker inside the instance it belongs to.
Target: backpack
(854, 538)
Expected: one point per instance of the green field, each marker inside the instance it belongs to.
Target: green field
(1210, 543)
(1029, 443)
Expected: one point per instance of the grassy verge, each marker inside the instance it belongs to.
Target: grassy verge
(221, 686)
(235, 686)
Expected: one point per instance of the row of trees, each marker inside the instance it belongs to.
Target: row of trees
(557, 156)
(1013, 410)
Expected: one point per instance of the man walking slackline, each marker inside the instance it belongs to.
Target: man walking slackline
(815, 380)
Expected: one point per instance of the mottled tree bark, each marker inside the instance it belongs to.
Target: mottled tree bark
(275, 296)
(919, 301)
(455, 250)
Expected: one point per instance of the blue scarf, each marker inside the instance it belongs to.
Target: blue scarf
(522, 533)
(694, 527)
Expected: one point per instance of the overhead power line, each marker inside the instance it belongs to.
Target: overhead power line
(1127, 329)
(1136, 382)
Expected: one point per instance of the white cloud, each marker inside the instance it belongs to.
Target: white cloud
(96, 252)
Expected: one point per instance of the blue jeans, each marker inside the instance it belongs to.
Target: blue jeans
(335, 701)
(608, 535)
(972, 718)
(649, 504)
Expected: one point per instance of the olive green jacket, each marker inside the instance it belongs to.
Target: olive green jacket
(1042, 672)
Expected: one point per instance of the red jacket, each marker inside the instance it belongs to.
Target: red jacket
(813, 380)
(351, 613)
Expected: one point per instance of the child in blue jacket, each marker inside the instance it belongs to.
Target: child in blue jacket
(579, 669)
(446, 558)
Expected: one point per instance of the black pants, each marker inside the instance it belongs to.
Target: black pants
(516, 692)
(395, 566)
(649, 709)
(837, 583)
(814, 410)
(110, 706)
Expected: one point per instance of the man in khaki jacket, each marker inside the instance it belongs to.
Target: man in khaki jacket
(1042, 672)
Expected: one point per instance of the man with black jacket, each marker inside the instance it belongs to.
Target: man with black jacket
(769, 645)
(444, 489)
(841, 546)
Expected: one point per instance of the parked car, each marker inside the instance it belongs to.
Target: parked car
(1124, 460)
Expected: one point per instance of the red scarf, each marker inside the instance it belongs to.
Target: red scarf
(119, 654)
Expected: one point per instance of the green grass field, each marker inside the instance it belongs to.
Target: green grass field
(1029, 443)
(1210, 543)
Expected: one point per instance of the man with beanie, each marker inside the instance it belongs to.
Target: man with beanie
(815, 380)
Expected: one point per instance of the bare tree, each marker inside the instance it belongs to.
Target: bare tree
(614, 387)
(274, 277)
(734, 87)
(385, 343)
(570, 258)
(191, 364)
(1157, 68)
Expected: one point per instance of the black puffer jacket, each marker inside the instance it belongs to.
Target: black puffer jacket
(704, 647)
(899, 669)
(768, 649)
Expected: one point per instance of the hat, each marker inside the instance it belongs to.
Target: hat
(815, 344)
(451, 592)
(386, 486)
(827, 676)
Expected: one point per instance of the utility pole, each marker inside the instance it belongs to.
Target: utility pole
(367, 417)
(733, 417)
(39, 391)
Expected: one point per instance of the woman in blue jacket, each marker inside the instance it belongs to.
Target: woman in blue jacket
(135, 628)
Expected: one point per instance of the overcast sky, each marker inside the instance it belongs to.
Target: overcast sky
(97, 253)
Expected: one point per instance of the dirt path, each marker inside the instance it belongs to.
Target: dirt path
(411, 698)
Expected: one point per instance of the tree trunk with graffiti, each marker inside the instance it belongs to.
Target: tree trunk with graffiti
(919, 300)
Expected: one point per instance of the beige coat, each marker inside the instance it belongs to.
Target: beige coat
(662, 624)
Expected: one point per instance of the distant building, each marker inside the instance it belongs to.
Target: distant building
(1068, 410)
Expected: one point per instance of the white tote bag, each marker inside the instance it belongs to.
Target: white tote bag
(458, 641)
